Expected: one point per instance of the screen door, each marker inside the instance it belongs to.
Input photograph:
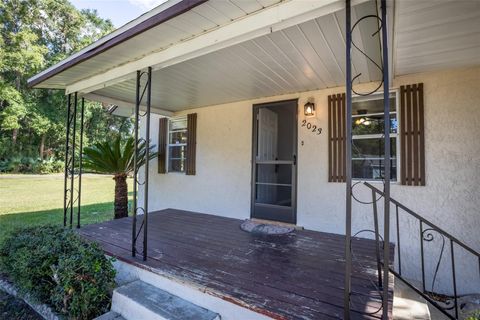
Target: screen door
(274, 161)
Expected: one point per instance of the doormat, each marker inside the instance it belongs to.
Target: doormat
(264, 229)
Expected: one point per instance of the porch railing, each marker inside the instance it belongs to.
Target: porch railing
(427, 231)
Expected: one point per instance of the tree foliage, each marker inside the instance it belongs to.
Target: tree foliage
(35, 34)
(116, 157)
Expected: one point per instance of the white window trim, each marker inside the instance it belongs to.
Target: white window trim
(377, 96)
(169, 132)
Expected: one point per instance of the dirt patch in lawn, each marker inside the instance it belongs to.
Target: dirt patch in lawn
(16, 309)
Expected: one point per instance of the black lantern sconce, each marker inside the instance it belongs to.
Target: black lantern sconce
(309, 108)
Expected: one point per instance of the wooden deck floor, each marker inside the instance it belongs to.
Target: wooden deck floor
(295, 276)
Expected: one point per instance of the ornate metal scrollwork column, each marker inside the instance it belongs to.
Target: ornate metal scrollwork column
(383, 66)
(73, 168)
(141, 89)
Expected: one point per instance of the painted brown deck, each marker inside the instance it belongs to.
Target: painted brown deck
(295, 276)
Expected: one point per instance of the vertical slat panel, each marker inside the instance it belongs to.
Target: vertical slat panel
(421, 133)
(344, 139)
(330, 133)
(339, 130)
(335, 130)
(403, 137)
(191, 144)
(412, 135)
(415, 136)
(162, 145)
(337, 138)
(409, 136)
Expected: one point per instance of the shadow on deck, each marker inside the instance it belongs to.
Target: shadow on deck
(294, 276)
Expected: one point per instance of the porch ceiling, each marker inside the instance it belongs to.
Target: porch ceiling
(207, 52)
(307, 56)
(431, 35)
(173, 22)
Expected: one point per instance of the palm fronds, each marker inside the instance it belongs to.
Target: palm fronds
(115, 156)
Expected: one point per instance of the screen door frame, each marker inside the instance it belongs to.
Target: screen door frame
(271, 211)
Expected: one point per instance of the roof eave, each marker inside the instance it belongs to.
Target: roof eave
(171, 12)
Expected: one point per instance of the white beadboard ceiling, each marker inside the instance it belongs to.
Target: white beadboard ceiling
(304, 57)
(427, 35)
(436, 34)
(193, 23)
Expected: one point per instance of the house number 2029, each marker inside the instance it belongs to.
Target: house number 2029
(311, 127)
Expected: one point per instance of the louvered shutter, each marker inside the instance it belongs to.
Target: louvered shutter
(412, 135)
(191, 144)
(336, 138)
(162, 145)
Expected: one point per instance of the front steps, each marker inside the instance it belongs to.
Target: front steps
(227, 308)
(110, 316)
(408, 305)
(139, 300)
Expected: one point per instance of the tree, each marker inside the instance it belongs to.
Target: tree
(12, 110)
(116, 157)
(35, 34)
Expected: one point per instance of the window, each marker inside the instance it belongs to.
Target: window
(367, 137)
(177, 144)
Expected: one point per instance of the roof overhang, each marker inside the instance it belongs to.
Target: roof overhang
(207, 53)
(158, 15)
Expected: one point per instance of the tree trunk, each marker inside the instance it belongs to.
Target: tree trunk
(42, 146)
(121, 196)
(14, 136)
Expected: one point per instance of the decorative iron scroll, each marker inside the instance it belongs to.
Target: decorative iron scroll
(428, 233)
(73, 162)
(382, 66)
(143, 86)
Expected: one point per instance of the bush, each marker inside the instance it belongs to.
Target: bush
(47, 166)
(13, 164)
(59, 268)
(474, 316)
(18, 164)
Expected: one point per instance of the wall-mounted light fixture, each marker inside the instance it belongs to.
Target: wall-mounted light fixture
(362, 120)
(309, 108)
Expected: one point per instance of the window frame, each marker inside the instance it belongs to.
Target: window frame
(169, 144)
(379, 96)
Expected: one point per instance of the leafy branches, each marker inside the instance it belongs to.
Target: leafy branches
(35, 34)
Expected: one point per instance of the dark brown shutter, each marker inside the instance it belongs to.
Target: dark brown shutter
(162, 145)
(412, 135)
(191, 143)
(336, 138)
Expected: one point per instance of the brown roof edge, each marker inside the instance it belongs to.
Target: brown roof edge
(169, 13)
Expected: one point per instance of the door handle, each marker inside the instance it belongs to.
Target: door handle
(294, 159)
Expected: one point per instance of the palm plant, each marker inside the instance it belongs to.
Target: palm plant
(116, 157)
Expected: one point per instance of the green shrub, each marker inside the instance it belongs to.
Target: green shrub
(47, 166)
(13, 164)
(474, 316)
(59, 268)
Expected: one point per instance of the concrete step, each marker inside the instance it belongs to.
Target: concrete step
(139, 300)
(409, 305)
(110, 316)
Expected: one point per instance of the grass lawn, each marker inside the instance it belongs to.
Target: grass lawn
(38, 200)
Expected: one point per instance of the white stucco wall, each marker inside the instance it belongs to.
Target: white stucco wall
(451, 198)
